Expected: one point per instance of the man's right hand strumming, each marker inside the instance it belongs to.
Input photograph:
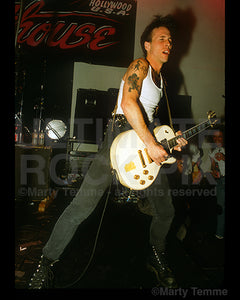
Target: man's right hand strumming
(157, 153)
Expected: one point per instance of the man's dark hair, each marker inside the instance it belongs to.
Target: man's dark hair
(158, 21)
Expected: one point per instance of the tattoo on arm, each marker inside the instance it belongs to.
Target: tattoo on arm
(133, 79)
(133, 83)
(138, 66)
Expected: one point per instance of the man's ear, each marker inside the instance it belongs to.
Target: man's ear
(147, 45)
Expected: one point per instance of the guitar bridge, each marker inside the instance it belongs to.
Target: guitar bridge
(141, 158)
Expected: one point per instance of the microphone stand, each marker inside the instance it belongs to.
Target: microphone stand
(42, 97)
(19, 115)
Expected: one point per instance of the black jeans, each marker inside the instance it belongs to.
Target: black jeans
(94, 185)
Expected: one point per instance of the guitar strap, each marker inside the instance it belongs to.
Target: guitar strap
(168, 107)
(165, 93)
(114, 112)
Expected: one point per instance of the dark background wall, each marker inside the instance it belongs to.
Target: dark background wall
(48, 80)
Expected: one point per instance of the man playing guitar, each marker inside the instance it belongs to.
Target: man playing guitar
(140, 92)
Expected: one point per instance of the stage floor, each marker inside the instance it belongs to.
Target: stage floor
(120, 258)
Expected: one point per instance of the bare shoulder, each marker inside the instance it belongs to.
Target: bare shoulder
(138, 66)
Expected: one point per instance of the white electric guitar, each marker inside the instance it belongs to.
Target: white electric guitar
(129, 158)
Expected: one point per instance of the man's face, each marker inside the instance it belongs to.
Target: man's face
(160, 45)
(218, 138)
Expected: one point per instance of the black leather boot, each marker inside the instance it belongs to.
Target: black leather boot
(43, 276)
(157, 263)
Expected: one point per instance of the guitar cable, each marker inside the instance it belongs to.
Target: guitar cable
(95, 242)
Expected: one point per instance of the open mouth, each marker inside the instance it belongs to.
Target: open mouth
(166, 52)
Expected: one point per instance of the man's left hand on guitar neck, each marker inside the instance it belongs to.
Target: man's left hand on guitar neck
(181, 142)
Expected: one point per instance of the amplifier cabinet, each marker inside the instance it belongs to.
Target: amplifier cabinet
(32, 176)
(79, 164)
(80, 156)
(93, 110)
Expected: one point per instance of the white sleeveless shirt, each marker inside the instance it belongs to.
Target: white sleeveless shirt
(149, 97)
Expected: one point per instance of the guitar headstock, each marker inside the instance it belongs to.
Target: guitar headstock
(212, 117)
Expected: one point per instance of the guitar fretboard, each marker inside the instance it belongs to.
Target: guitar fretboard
(189, 133)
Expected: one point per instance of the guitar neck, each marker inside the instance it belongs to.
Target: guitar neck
(190, 133)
